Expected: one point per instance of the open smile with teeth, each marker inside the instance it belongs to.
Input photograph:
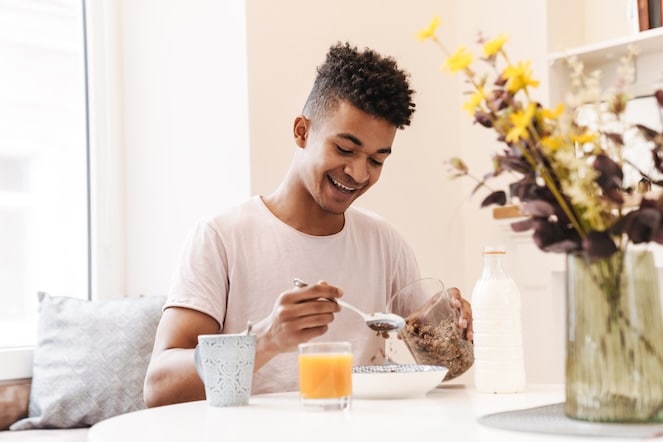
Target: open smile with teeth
(341, 187)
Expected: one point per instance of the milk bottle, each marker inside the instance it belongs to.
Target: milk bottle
(498, 342)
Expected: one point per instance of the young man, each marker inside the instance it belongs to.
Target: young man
(238, 267)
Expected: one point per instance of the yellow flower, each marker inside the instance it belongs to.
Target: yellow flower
(521, 120)
(429, 31)
(552, 143)
(585, 137)
(519, 77)
(493, 46)
(552, 114)
(459, 60)
(475, 100)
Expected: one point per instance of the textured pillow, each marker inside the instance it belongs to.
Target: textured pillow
(90, 360)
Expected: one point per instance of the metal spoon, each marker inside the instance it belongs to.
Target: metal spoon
(380, 322)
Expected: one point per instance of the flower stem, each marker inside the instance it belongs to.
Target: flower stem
(552, 186)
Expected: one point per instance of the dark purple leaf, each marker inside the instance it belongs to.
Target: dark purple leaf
(643, 224)
(501, 81)
(620, 226)
(598, 245)
(552, 237)
(610, 173)
(657, 156)
(538, 208)
(523, 225)
(564, 246)
(615, 138)
(498, 197)
(533, 193)
(615, 195)
(646, 132)
(526, 188)
(483, 119)
(498, 100)
(649, 203)
(657, 237)
(514, 163)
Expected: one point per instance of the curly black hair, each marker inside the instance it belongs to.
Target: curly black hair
(369, 81)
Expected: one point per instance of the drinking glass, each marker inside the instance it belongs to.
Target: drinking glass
(325, 375)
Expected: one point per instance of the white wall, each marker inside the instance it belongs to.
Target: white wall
(106, 114)
(185, 126)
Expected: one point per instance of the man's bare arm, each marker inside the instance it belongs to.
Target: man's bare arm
(171, 376)
(299, 315)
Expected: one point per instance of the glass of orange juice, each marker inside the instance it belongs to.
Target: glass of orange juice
(325, 375)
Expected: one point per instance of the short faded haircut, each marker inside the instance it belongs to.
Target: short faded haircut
(369, 81)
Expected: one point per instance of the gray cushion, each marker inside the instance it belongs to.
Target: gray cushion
(90, 360)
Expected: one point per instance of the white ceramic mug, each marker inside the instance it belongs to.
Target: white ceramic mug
(225, 365)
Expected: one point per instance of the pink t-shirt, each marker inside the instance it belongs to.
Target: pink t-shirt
(235, 265)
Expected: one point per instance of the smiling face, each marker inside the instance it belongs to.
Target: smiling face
(341, 155)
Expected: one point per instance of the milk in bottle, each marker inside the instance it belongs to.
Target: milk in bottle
(498, 342)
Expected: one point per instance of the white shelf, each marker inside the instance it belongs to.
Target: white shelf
(609, 50)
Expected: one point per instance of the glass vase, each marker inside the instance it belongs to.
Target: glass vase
(614, 348)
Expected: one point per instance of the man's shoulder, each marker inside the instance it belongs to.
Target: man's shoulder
(248, 207)
(239, 214)
(364, 214)
(363, 218)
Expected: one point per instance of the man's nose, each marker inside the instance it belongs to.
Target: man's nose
(358, 170)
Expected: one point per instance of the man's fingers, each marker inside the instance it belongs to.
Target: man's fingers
(465, 320)
(304, 292)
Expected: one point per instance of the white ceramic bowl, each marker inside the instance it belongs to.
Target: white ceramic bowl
(395, 381)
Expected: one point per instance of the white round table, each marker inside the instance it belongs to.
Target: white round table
(445, 414)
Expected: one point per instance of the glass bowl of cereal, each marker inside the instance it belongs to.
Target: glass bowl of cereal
(431, 333)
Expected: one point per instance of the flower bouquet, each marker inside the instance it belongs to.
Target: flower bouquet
(581, 192)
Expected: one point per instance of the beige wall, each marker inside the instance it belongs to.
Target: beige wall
(438, 216)
(413, 192)
(527, 41)
(609, 19)
(573, 23)
(184, 144)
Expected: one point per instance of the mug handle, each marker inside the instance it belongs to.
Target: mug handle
(197, 363)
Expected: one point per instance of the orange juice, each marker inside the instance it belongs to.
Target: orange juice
(325, 375)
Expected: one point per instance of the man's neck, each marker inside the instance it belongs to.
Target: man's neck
(302, 213)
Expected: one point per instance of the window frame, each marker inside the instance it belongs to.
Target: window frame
(99, 22)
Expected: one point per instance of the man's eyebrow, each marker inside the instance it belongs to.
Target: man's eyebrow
(357, 141)
(351, 138)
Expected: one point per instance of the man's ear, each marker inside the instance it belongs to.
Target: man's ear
(300, 130)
